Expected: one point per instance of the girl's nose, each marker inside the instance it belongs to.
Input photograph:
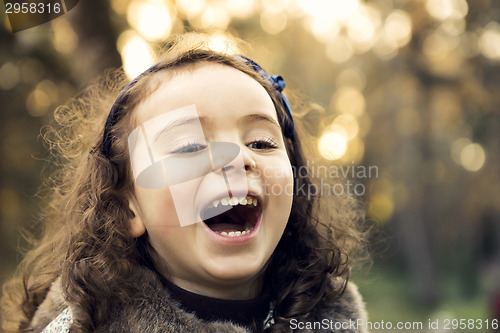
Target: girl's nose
(249, 163)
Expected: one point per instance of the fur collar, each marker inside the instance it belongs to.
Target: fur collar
(151, 310)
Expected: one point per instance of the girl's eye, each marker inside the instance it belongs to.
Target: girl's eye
(189, 148)
(266, 144)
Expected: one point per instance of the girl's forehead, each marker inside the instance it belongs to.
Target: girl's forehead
(213, 88)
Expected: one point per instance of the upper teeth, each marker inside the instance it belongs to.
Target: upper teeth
(233, 201)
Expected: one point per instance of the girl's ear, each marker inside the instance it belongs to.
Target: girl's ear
(137, 227)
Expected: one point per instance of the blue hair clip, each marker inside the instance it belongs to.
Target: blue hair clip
(278, 83)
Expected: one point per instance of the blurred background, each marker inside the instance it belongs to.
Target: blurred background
(408, 87)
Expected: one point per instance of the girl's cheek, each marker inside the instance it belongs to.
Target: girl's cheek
(167, 208)
(157, 208)
(278, 176)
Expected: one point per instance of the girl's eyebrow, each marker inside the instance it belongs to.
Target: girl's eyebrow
(259, 117)
(177, 123)
(254, 117)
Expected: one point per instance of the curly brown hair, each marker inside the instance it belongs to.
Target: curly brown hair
(86, 239)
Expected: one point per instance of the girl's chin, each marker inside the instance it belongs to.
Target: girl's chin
(228, 285)
(234, 270)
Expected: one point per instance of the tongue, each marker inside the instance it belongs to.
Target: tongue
(227, 227)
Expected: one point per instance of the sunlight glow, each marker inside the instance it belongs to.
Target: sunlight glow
(339, 50)
(273, 21)
(489, 42)
(136, 53)
(349, 123)
(215, 16)
(41, 98)
(64, 38)
(349, 100)
(223, 43)
(355, 151)
(324, 19)
(322, 30)
(151, 19)
(472, 157)
(351, 77)
(362, 28)
(329, 9)
(397, 28)
(37, 103)
(457, 147)
(240, 8)
(347, 27)
(381, 207)
(445, 9)
(439, 46)
(454, 27)
(191, 7)
(384, 49)
(332, 145)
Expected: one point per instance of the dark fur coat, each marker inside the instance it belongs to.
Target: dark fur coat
(152, 310)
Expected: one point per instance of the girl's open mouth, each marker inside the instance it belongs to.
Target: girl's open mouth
(238, 221)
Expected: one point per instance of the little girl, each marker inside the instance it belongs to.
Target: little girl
(179, 212)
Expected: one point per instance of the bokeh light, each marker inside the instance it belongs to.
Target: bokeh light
(339, 49)
(397, 28)
(322, 30)
(349, 100)
(136, 53)
(41, 98)
(351, 77)
(438, 46)
(223, 43)
(472, 157)
(362, 28)
(273, 20)
(215, 16)
(445, 9)
(332, 145)
(454, 27)
(339, 10)
(191, 8)
(354, 151)
(241, 9)
(457, 147)
(151, 19)
(349, 124)
(9, 76)
(489, 41)
(381, 207)
(64, 38)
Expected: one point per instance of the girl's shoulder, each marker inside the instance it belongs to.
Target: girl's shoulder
(352, 303)
(348, 308)
(54, 315)
(352, 300)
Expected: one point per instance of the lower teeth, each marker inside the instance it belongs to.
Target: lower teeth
(237, 233)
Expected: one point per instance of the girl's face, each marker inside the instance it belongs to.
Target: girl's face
(232, 108)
